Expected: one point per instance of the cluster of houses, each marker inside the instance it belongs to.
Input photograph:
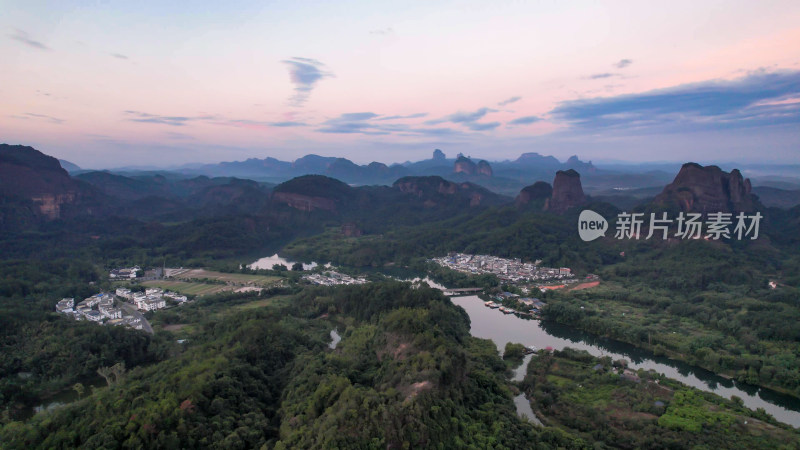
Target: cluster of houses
(331, 278)
(533, 305)
(103, 307)
(151, 299)
(128, 273)
(510, 270)
(100, 308)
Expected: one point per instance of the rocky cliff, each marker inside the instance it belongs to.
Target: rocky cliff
(468, 167)
(484, 168)
(27, 174)
(312, 192)
(567, 192)
(436, 191)
(464, 165)
(537, 193)
(708, 189)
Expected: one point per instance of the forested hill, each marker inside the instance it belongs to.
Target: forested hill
(406, 374)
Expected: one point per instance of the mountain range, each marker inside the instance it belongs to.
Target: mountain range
(36, 188)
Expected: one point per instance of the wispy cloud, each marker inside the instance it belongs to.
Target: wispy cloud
(175, 121)
(410, 116)
(476, 126)
(509, 101)
(119, 56)
(758, 99)
(359, 122)
(527, 120)
(22, 36)
(304, 73)
(42, 117)
(179, 121)
(288, 123)
(468, 119)
(463, 117)
(623, 63)
(600, 76)
(258, 124)
(369, 123)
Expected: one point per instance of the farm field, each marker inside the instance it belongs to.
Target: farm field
(188, 287)
(233, 278)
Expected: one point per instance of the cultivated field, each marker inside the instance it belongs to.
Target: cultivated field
(188, 287)
(232, 278)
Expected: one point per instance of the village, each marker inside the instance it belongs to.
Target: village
(115, 309)
(331, 278)
(124, 306)
(508, 270)
(526, 279)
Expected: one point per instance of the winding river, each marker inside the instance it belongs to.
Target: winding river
(501, 328)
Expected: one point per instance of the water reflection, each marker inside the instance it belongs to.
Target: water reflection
(501, 328)
(522, 370)
(269, 261)
(524, 409)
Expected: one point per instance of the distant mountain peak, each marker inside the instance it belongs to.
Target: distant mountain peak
(68, 166)
(707, 189)
(567, 191)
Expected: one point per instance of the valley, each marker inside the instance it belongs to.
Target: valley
(698, 316)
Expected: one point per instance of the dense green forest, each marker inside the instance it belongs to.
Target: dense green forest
(43, 352)
(406, 374)
(602, 402)
(503, 231)
(703, 303)
(254, 370)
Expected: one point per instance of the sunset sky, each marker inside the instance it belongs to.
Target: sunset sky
(111, 84)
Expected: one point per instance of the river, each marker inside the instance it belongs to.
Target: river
(501, 328)
(65, 396)
(268, 261)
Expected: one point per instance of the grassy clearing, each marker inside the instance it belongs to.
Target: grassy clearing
(188, 288)
(263, 302)
(235, 278)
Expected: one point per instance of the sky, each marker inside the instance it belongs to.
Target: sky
(109, 84)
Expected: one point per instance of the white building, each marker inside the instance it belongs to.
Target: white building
(65, 305)
(126, 273)
(153, 303)
(111, 313)
(91, 301)
(153, 291)
(175, 296)
(124, 293)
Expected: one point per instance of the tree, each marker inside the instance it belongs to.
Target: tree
(79, 389)
(118, 370)
(297, 267)
(514, 352)
(105, 372)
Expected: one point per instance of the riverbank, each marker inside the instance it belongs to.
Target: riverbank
(674, 337)
(502, 328)
(601, 400)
